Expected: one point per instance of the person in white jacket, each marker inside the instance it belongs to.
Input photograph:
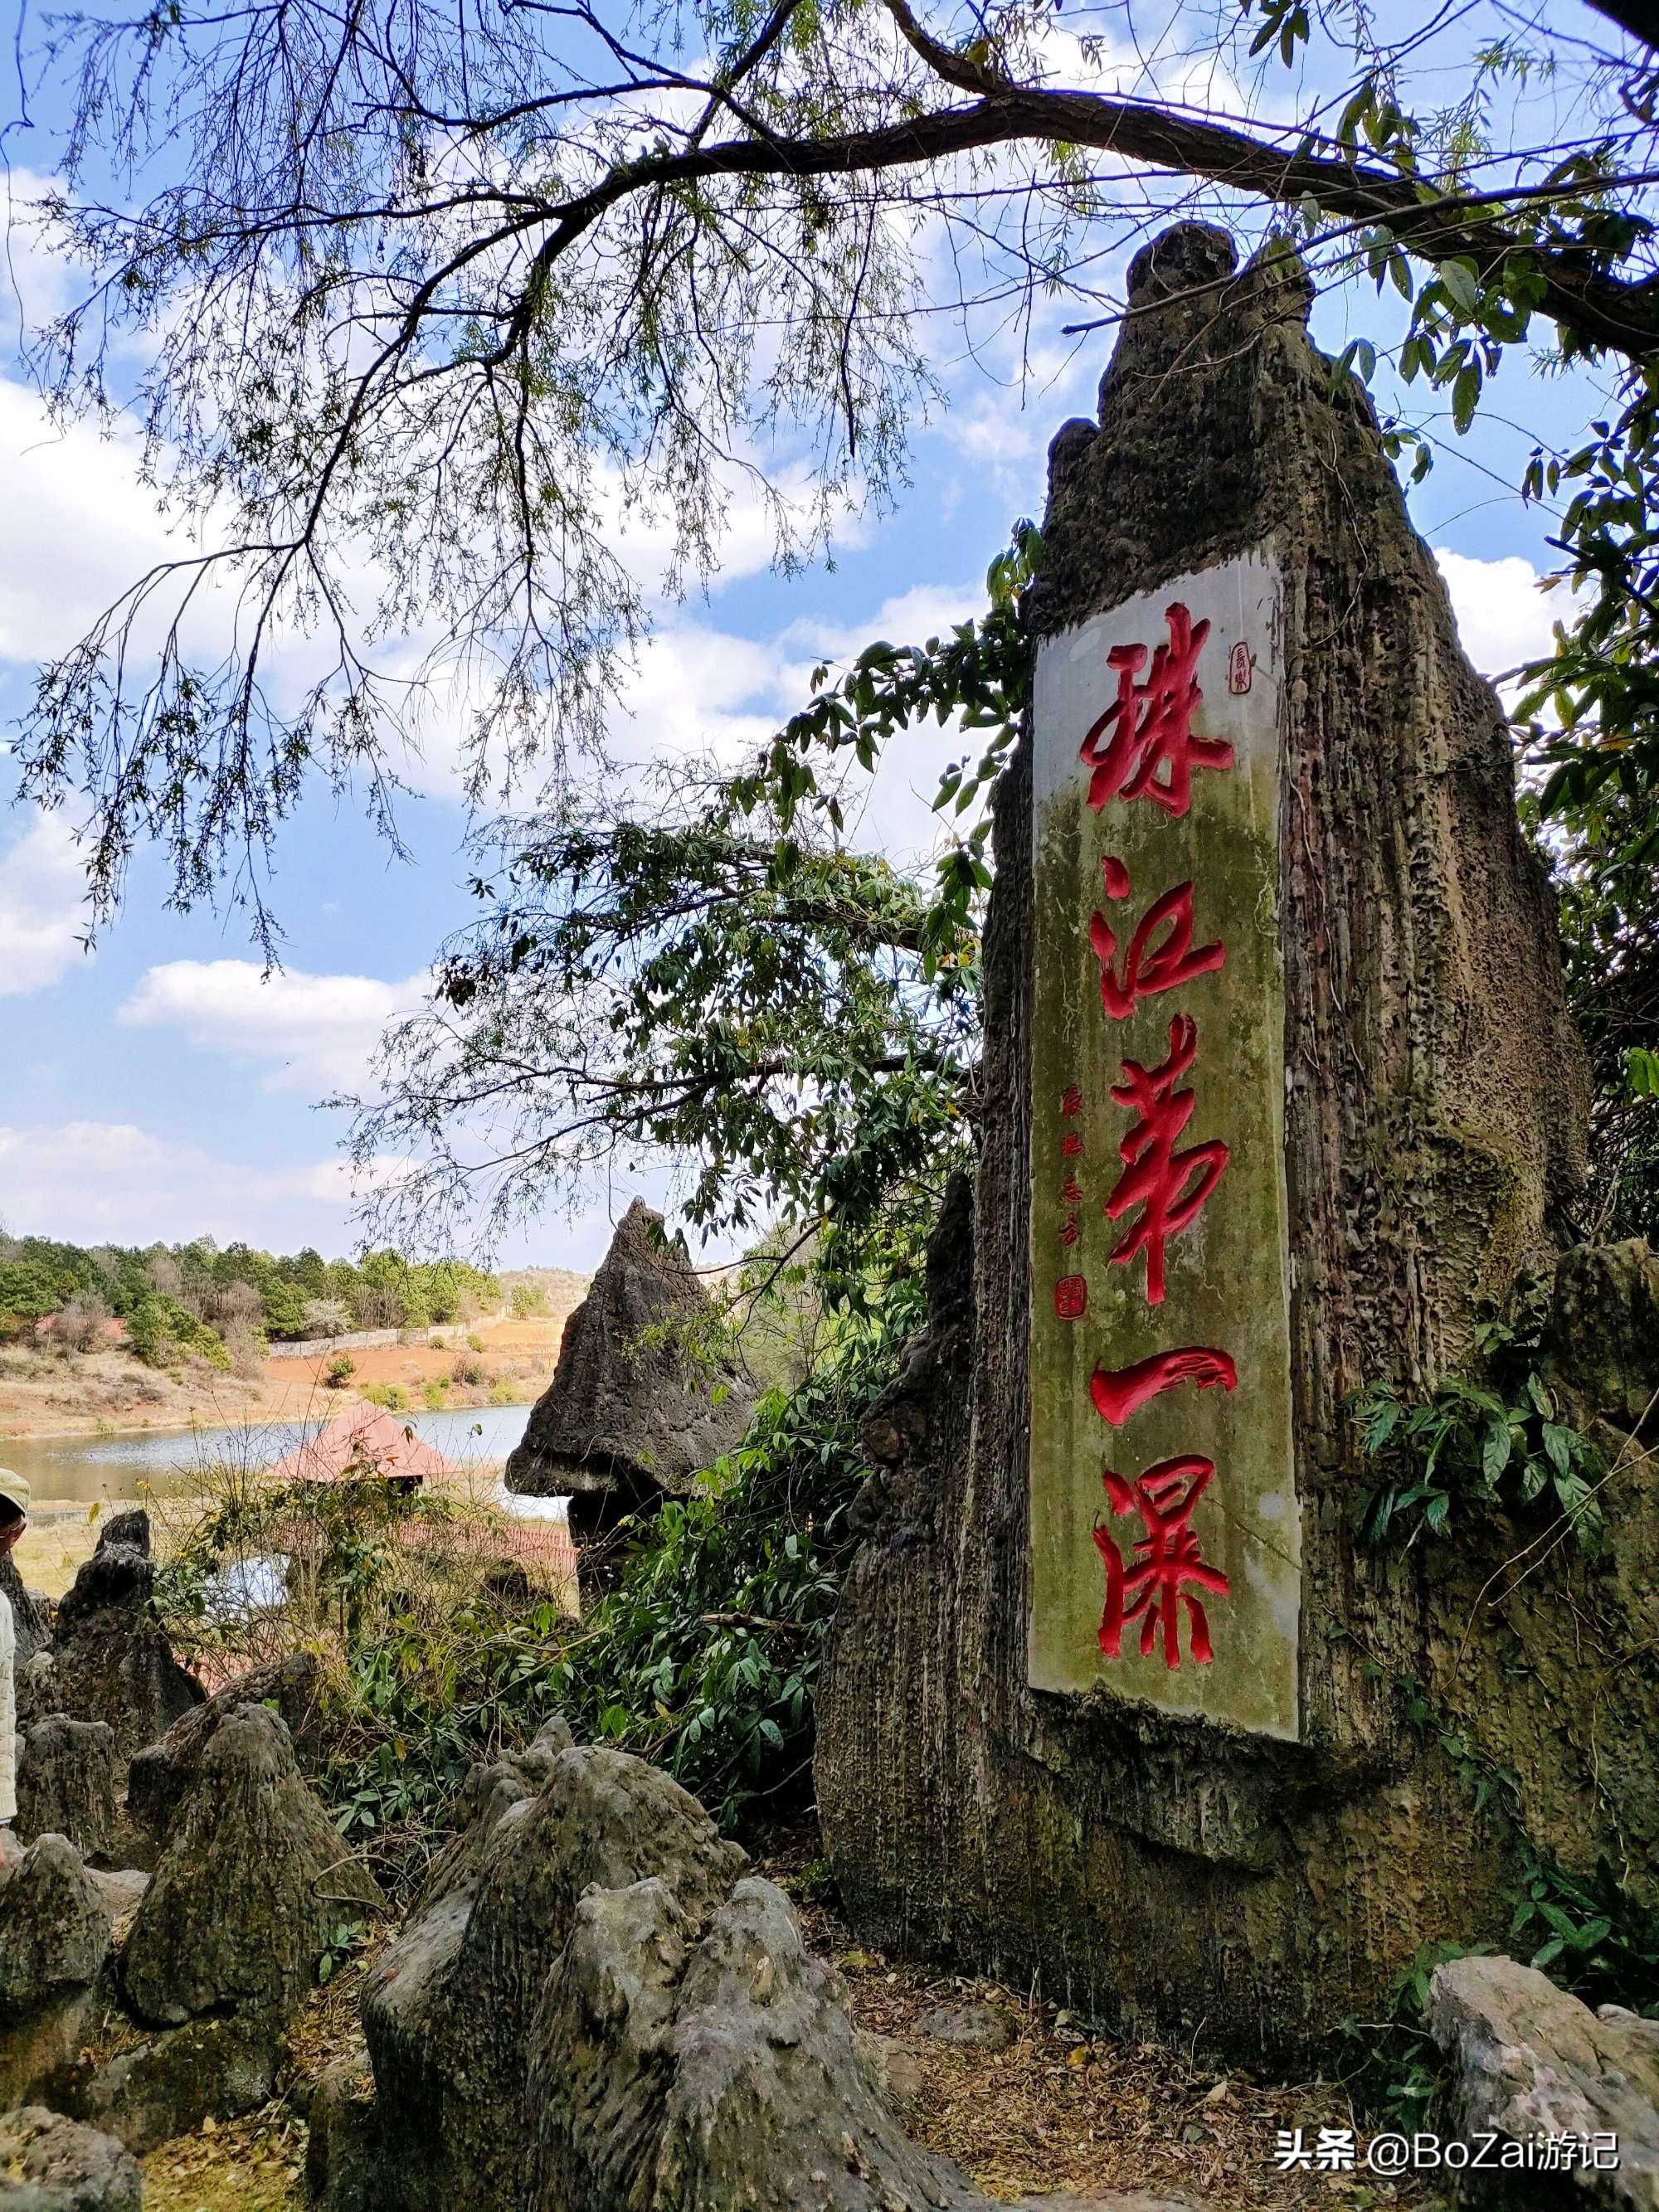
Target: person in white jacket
(13, 1519)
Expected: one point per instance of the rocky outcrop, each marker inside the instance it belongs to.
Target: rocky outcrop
(1170, 1873)
(66, 1783)
(253, 1874)
(49, 2164)
(629, 1417)
(1528, 2060)
(594, 2009)
(162, 2086)
(448, 2005)
(109, 1659)
(686, 2063)
(343, 2144)
(225, 1941)
(54, 1938)
(159, 1774)
(25, 1615)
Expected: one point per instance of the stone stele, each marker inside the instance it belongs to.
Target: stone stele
(1155, 928)
(1344, 1088)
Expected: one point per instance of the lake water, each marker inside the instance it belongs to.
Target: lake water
(82, 1470)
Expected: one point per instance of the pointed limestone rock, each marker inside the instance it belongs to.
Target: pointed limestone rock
(627, 1419)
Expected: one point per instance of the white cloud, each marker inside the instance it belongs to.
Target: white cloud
(313, 1033)
(80, 528)
(1503, 617)
(97, 1181)
(42, 915)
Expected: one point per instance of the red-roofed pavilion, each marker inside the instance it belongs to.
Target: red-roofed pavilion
(364, 1444)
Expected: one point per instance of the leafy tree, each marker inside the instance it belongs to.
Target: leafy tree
(284, 1306)
(448, 293)
(159, 1328)
(29, 1292)
(728, 984)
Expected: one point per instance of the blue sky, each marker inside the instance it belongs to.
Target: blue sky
(161, 1087)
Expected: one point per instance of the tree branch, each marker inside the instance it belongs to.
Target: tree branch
(1604, 311)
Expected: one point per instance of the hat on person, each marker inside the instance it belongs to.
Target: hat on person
(14, 1489)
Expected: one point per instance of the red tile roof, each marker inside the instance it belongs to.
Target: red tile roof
(363, 1442)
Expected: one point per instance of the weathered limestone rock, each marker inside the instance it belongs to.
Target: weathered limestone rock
(167, 2085)
(447, 2007)
(1173, 1872)
(49, 2164)
(1528, 2060)
(680, 2065)
(159, 1774)
(1602, 1345)
(25, 1613)
(54, 1937)
(624, 1422)
(54, 1928)
(109, 1659)
(66, 1783)
(343, 2145)
(591, 2011)
(490, 1791)
(252, 1875)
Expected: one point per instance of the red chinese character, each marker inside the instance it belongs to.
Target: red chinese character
(1072, 1191)
(1239, 665)
(1071, 1144)
(1170, 1188)
(1154, 724)
(1072, 1102)
(1069, 1235)
(1071, 1297)
(1120, 1391)
(1149, 968)
(1152, 1588)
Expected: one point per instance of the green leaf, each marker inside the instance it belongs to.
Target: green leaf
(1466, 396)
(1461, 281)
(1495, 1448)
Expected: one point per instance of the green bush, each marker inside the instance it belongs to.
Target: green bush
(339, 1371)
(705, 1658)
(391, 1395)
(159, 1327)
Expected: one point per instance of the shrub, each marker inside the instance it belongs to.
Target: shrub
(80, 1323)
(327, 1317)
(432, 1394)
(474, 1342)
(466, 1368)
(247, 1349)
(705, 1657)
(391, 1395)
(339, 1371)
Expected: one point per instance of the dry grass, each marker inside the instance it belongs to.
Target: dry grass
(255, 2165)
(53, 1548)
